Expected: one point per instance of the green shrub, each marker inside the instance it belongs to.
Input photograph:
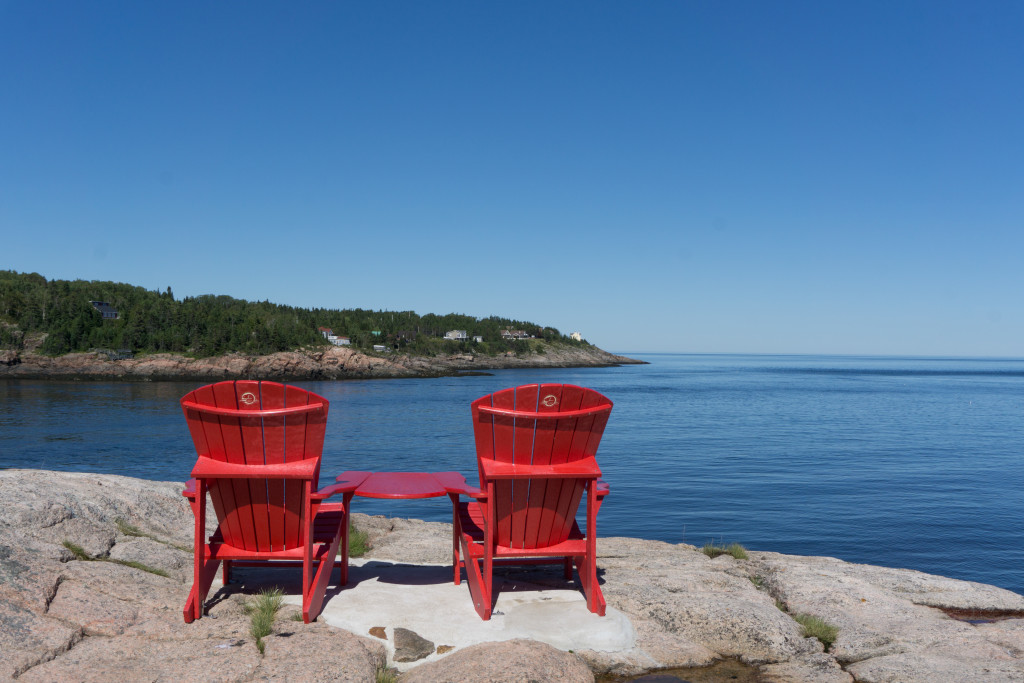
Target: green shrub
(813, 627)
(262, 611)
(358, 542)
(734, 549)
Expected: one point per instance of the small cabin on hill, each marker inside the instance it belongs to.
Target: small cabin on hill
(106, 310)
(456, 335)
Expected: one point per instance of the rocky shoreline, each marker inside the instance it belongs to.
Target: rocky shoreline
(309, 364)
(118, 616)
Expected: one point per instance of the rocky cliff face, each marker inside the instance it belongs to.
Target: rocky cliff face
(63, 617)
(317, 364)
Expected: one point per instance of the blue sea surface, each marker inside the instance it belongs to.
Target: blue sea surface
(901, 462)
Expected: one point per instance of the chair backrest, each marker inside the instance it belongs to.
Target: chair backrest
(258, 423)
(536, 425)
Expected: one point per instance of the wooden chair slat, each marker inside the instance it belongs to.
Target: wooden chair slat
(295, 449)
(271, 398)
(522, 454)
(247, 398)
(503, 439)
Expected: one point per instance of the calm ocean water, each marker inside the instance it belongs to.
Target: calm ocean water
(914, 463)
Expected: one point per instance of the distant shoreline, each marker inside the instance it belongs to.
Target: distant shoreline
(334, 363)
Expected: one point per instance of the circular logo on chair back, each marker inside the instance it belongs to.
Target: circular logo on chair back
(248, 398)
(550, 400)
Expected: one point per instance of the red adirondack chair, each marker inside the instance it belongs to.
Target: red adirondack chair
(259, 447)
(535, 450)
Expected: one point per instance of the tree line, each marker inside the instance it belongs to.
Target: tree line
(155, 321)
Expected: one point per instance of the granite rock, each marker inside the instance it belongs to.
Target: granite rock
(64, 618)
(305, 364)
(411, 646)
(505, 661)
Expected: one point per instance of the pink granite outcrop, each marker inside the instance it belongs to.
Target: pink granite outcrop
(117, 616)
(309, 364)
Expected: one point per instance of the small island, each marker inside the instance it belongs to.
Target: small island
(61, 329)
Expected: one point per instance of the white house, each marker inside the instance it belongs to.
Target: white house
(577, 336)
(329, 335)
(456, 335)
(478, 339)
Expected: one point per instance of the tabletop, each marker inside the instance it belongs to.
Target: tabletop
(399, 485)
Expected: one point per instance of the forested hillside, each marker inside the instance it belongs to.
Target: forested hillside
(60, 313)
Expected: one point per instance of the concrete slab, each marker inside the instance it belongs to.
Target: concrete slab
(423, 598)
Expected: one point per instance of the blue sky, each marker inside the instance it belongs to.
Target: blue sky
(790, 177)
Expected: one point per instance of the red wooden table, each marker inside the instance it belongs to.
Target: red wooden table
(403, 485)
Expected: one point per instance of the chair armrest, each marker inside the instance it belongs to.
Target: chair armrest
(455, 484)
(586, 468)
(349, 484)
(603, 489)
(208, 468)
(190, 489)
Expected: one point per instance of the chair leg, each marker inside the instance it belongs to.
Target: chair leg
(313, 594)
(346, 523)
(456, 535)
(587, 564)
(480, 584)
(344, 552)
(587, 568)
(226, 573)
(203, 568)
(567, 567)
(200, 589)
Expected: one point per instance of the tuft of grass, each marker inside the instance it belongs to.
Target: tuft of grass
(262, 611)
(358, 542)
(77, 551)
(734, 549)
(757, 581)
(139, 565)
(130, 530)
(80, 554)
(134, 531)
(383, 674)
(814, 627)
(296, 616)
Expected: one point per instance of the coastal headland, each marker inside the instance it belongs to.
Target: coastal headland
(94, 570)
(320, 363)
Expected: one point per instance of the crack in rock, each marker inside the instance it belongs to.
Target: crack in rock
(51, 593)
(76, 637)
